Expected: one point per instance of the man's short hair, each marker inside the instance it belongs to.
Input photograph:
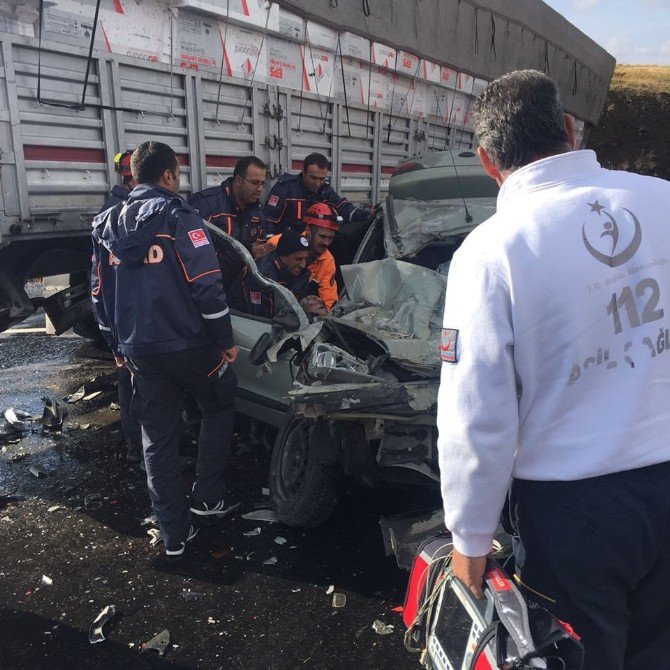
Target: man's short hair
(518, 119)
(316, 159)
(242, 165)
(150, 160)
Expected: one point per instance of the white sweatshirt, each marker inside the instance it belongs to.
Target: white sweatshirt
(561, 301)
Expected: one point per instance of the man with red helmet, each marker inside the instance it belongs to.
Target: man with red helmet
(323, 222)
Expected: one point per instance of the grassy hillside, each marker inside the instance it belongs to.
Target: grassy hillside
(634, 130)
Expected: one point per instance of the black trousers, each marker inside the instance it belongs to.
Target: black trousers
(131, 426)
(596, 553)
(161, 381)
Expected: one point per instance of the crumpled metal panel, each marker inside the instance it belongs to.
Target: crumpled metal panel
(402, 305)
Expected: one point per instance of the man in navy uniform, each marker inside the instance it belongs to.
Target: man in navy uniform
(234, 205)
(293, 194)
(286, 265)
(171, 323)
(117, 196)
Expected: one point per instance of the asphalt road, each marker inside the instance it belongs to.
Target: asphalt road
(81, 527)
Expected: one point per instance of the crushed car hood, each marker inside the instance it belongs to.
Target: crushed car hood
(400, 304)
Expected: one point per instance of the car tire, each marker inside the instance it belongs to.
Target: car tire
(305, 473)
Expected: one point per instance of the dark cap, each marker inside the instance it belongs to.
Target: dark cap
(290, 242)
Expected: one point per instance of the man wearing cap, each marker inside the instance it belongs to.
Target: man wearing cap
(323, 222)
(293, 194)
(116, 198)
(286, 265)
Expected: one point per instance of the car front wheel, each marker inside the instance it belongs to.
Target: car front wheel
(305, 472)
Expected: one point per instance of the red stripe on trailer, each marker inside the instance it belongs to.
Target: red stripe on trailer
(296, 165)
(183, 160)
(107, 42)
(355, 167)
(388, 169)
(221, 161)
(38, 152)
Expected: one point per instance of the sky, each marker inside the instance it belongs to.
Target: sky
(633, 31)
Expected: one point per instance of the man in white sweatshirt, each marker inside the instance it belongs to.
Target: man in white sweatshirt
(555, 386)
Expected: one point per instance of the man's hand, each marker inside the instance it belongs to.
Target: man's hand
(120, 361)
(231, 354)
(312, 304)
(260, 248)
(470, 571)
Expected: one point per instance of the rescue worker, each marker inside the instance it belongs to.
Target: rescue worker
(286, 265)
(555, 376)
(293, 194)
(171, 323)
(322, 223)
(116, 198)
(234, 206)
(120, 192)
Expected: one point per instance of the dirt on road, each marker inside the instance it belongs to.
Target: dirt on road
(73, 542)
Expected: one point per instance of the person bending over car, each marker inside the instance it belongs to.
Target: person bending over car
(286, 265)
(323, 222)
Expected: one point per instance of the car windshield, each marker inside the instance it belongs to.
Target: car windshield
(412, 225)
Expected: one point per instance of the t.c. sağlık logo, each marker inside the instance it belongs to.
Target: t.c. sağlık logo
(611, 229)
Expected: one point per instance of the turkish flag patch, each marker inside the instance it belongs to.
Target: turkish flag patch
(255, 297)
(198, 237)
(448, 341)
(273, 200)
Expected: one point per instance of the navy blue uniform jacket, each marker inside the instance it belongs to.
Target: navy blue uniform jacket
(118, 195)
(156, 280)
(217, 205)
(248, 295)
(289, 199)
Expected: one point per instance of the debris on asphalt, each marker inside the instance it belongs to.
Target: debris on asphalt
(339, 600)
(92, 388)
(149, 521)
(85, 426)
(330, 589)
(382, 628)
(187, 594)
(18, 419)
(261, 515)
(399, 610)
(265, 492)
(53, 508)
(280, 540)
(53, 415)
(220, 553)
(155, 536)
(47, 581)
(92, 501)
(38, 471)
(252, 533)
(114, 406)
(270, 561)
(158, 643)
(95, 633)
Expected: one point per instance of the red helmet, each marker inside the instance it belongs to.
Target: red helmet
(322, 214)
(122, 163)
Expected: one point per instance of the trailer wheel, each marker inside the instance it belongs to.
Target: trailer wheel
(305, 472)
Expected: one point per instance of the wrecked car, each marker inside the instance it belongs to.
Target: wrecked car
(355, 393)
